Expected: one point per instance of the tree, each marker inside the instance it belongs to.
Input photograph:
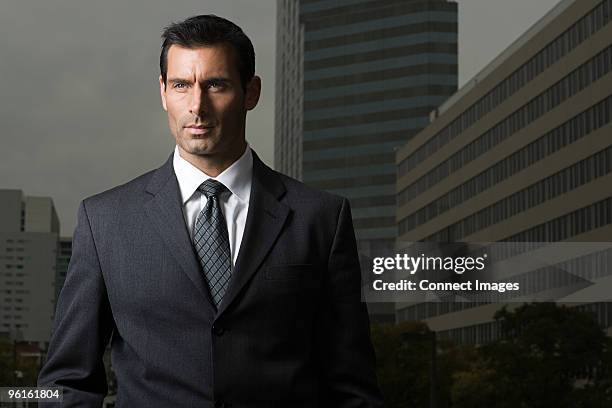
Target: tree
(549, 356)
(402, 357)
(6, 364)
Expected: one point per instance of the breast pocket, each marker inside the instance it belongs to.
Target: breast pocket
(287, 295)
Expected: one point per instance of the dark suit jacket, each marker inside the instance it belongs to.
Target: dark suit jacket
(291, 330)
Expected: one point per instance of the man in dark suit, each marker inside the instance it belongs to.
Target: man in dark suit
(218, 281)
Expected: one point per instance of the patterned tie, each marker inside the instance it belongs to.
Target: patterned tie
(212, 242)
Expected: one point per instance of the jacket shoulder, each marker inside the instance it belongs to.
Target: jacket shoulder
(299, 192)
(126, 196)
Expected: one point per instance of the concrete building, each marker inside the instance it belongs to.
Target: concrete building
(355, 80)
(522, 153)
(63, 259)
(29, 229)
(289, 89)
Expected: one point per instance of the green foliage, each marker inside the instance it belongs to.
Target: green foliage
(6, 363)
(477, 387)
(403, 363)
(27, 365)
(549, 356)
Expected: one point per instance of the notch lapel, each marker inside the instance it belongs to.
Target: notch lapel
(165, 213)
(265, 220)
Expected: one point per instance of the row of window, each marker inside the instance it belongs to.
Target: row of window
(583, 220)
(570, 178)
(562, 228)
(9, 300)
(601, 311)
(491, 331)
(10, 283)
(561, 275)
(543, 280)
(569, 86)
(422, 311)
(578, 222)
(596, 19)
(19, 274)
(553, 141)
(18, 326)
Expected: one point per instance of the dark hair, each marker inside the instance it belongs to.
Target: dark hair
(206, 30)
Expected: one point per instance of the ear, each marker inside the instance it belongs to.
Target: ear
(253, 90)
(162, 91)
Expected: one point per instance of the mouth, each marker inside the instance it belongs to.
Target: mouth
(198, 129)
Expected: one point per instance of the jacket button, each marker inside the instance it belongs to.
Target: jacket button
(218, 331)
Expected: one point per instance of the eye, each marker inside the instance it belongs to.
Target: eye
(215, 85)
(179, 85)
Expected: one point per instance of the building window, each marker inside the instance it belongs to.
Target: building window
(575, 81)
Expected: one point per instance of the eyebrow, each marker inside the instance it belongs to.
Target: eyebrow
(207, 81)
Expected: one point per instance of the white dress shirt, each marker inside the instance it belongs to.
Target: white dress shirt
(234, 204)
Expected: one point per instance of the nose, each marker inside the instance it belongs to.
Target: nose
(199, 102)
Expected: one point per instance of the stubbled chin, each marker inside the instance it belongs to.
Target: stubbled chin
(197, 146)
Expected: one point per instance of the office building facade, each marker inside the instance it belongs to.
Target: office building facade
(355, 80)
(522, 153)
(64, 252)
(288, 115)
(29, 229)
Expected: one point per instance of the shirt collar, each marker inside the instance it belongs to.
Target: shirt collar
(237, 177)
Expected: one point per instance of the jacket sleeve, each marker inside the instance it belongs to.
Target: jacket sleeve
(82, 327)
(346, 354)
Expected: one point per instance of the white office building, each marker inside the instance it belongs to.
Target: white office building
(29, 231)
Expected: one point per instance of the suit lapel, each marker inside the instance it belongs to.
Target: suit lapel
(165, 213)
(265, 220)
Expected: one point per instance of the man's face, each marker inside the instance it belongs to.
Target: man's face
(205, 101)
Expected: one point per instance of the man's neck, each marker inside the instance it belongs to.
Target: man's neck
(212, 165)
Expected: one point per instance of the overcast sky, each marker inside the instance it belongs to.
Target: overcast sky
(79, 99)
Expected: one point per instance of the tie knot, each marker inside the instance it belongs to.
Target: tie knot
(212, 188)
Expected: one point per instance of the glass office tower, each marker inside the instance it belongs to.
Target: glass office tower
(355, 80)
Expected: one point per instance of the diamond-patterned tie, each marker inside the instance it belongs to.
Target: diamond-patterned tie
(212, 242)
